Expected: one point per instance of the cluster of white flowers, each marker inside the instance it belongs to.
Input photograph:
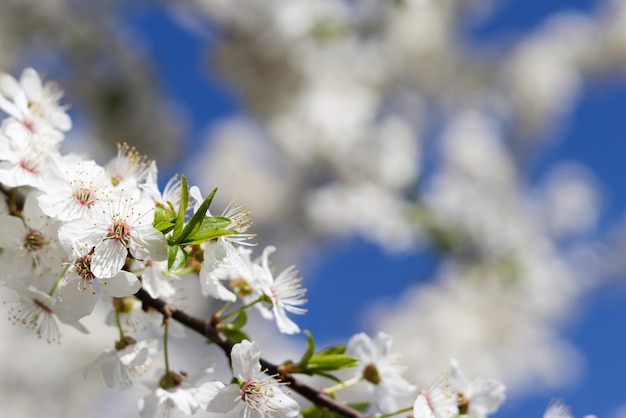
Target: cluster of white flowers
(76, 233)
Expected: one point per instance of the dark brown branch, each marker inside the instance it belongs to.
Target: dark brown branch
(205, 328)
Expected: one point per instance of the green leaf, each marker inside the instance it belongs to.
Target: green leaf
(310, 348)
(212, 227)
(198, 218)
(236, 335)
(329, 362)
(161, 215)
(176, 258)
(359, 406)
(317, 412)
(164, 227)
(335, 349)
(182, 209)
(329, 376)
(240, 321)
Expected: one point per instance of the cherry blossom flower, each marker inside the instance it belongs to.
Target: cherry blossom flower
(557, 409)
(115, 229)
(221, 255)
(33, 103)
(39, 311)
(285, 291)
(80, 185)
(155, 278)
(129, 167)
(121, 366)
(381, 369)
(255, 394)
(164, 400)
(170, 193)
(80, 286)
(479, 397)
(174, 390)
(25, 161)
(30, 244)
(439, 401)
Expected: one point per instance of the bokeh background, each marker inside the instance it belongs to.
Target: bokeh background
(448, 171)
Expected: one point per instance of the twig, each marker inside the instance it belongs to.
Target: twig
(205, 328)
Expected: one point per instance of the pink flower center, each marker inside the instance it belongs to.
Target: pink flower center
(252, 390)
(120, 232)
(29, 165)
(85, 197)
(29, 125)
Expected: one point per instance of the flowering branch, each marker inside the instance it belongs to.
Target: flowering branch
(208, 330)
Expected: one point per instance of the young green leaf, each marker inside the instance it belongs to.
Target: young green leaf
(211, 227)
(329, 362)
(198, 218)
(182, 209)
(240, 321)
(176, 258)
(310, 348)
(235, 335)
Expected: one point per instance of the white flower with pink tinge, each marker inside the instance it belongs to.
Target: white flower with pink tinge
(113, 230)
(39, 311)
(285, 291)
(78, 186)
(29, 244)
(33, 103)
(439, 401)
(479, 397)
(25, 161)
(382, 369)
(255, 393)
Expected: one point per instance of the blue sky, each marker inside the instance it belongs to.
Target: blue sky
(593, 135)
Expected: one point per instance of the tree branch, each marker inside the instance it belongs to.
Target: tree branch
(205, 328)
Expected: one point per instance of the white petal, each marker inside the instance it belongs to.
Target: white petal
(215, 397)
(80, 232)
(421, 408)
(31, 82)
(286, 407)
(285, 325)
(148, 405)
(60, 119)
(121, 285)
(108, 258)
(108, 369)
(148, 244)
(362, 347)
(13, 230)
(74, 302)
(245, 358)
(185, 401)
(210, 285)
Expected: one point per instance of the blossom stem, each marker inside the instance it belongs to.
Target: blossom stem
(184, 271)
(58, 280)
(222, 309)
(402, 411)
(165, 353)
(343, 385)
(118, 322)
(239, 310)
